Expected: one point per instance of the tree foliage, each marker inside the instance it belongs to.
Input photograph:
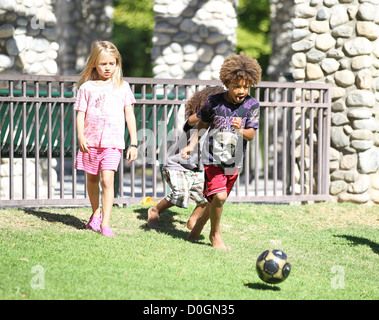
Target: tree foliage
(253, 32)
(133, 25)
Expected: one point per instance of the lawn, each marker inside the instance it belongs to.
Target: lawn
(46, 253)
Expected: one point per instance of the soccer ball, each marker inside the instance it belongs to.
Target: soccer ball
(273, 266)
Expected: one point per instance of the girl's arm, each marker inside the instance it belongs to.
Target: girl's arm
(132, 151)
(83, 143)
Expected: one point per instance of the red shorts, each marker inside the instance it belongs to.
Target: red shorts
(98, 159)
(217, 181)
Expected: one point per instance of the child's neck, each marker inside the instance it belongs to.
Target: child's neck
(99, 81)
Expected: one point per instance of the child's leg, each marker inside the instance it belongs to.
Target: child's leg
(109, 162)
(154, 212)
(200, 223)
(196, 194)
(107, 195)
(216, 189)
(179, 195)
(196, 214)
(93, 191)
(215, 212)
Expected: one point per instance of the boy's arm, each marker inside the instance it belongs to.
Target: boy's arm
(248, 134)
(200, 130)
(132, 151)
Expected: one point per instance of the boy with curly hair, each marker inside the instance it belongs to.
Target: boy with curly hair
(232, 118)
(185, 177)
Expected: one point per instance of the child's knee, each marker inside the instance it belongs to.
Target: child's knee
(220, 197)
(107, 181)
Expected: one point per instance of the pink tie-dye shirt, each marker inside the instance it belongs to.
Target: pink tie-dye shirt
(104, 124)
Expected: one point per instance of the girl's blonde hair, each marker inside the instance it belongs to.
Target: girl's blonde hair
(90, 73)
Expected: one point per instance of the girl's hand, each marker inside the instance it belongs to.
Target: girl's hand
(131, 153)
(83, 145)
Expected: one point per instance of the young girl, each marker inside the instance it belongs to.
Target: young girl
(232, 118)
(104, 101)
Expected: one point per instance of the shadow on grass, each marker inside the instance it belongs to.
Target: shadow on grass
(167, 223)
(261, 286)
(357, 241)
(66, 219)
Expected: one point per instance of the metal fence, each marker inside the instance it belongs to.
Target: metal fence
(288, 161)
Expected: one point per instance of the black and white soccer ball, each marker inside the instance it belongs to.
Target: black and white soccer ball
(273, 266)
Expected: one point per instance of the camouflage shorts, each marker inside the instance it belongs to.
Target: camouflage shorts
(185, 185)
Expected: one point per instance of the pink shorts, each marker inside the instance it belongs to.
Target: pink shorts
(217, 181)
(98, 159)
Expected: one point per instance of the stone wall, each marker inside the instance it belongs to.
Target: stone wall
(337, 42)
(30, 178)
(28, 37)
(49, 37)
(281, 17)
(192, 37)
(80, 23)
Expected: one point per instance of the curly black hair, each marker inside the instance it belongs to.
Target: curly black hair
(196, 101)
(238, 67)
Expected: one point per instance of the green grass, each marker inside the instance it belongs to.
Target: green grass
(46, 253)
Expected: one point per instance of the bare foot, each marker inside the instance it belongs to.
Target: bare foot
(194, 235)
(153, 217)
(217, 242)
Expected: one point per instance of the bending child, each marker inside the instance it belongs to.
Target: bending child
(232, 118)
(185, 177)
(104, 101)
